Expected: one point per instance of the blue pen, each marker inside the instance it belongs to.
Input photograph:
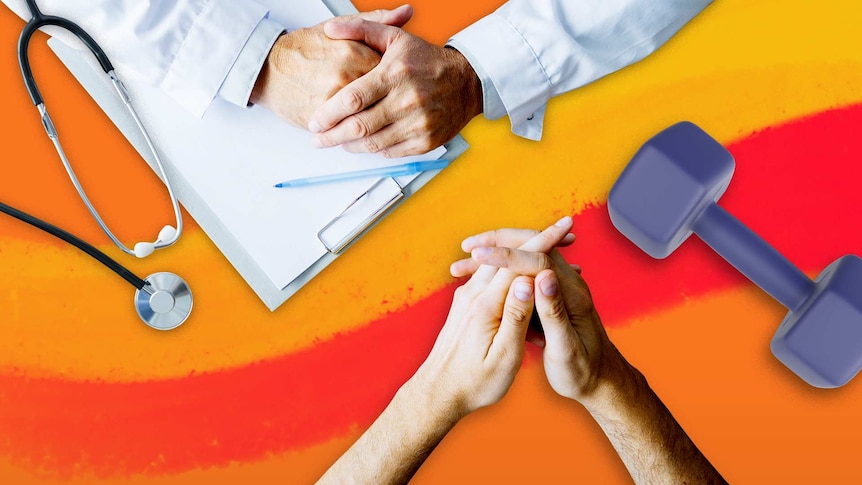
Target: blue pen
(393, 171)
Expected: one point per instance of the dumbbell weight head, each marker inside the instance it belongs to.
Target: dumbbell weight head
(669, 190)
(822, 341)
(668, 183)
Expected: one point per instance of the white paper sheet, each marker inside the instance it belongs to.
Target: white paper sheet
(233, 156)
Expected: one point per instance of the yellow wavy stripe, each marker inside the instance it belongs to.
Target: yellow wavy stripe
(738, 67)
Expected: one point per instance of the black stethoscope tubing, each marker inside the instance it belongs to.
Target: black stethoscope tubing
(38, 21)
(77, 242)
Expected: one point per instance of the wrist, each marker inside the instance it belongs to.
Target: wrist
(262, 83)
(468, 81)
(434, 410)
(618, 383)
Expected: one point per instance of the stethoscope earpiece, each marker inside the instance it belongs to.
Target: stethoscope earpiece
(167, 236)
(144, 249)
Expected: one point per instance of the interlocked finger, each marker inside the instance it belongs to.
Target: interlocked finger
(381, 140)
(522, 262)
(543, 242)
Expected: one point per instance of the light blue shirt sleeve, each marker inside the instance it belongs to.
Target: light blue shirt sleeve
(531, 50)
(240, 80)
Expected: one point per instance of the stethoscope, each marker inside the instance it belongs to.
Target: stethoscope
(162, 300)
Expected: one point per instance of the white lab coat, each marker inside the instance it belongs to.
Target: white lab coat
(524, 53)
(188, 48)
(530, 50)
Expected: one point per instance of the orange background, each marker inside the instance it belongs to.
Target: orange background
(742, 70)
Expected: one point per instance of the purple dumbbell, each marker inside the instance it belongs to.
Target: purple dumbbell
(669, 190)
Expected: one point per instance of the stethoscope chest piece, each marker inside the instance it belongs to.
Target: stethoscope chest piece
(166, 303)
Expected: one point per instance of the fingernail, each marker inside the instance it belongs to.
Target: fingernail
(481, 252)
(523, 291)
(549, 286)
(314, 126)
(316, 142)
(565, 221)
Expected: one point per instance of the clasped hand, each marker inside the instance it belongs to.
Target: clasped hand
(305, 68)
(332, 80)
(481, 346)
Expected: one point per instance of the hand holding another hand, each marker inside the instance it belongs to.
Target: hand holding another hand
(305, 67)
(580, 361)
(582, 364)
(481, 346)
(472, 364)
(479, 351)
(419, 96)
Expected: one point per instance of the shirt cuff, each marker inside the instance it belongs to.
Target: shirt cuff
(242, 76)
(209, 51)
(492, 105)
(509, 71)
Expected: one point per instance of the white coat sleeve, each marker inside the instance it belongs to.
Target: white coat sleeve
(531, 50)
(185, 47)
(240, 80)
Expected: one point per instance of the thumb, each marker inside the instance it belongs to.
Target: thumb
(395, 18)
(551, 307)
(375, 35)
(517, 311)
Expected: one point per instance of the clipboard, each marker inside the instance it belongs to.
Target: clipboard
(368, 207)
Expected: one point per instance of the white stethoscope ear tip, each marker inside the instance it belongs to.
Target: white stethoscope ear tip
(144, 249)
(168, 233)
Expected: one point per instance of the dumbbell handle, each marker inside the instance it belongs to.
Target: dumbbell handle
(753, 257)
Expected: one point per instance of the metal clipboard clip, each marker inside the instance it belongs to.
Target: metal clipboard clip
(367, 197)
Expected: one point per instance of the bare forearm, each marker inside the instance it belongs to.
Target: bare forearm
(651, 444)
(472, 364)
(397, 444)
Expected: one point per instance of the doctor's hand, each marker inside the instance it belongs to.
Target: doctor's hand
(580, 361)
(419, 96)
(305, 67)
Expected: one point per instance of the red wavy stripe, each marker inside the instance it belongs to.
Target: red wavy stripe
(795, 184)
(210, 419)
